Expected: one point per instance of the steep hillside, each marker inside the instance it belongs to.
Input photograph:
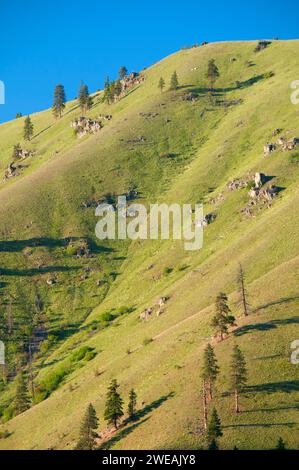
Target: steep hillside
(174, 147)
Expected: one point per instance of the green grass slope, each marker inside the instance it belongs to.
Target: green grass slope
(212, 143)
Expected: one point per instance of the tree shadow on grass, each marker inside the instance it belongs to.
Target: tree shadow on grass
(219, 91)
(269, 410)
(287, 386)
(34, 271)
(283, 300)
(19, 245)
(260, 425)
(120, 435)
(139, 415)
(270, 325)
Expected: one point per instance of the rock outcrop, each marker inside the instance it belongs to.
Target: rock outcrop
(83, 126)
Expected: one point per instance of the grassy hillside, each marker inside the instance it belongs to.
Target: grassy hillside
(212, 142)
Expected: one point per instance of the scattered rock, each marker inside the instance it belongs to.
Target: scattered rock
(85, 126)
(268, 148)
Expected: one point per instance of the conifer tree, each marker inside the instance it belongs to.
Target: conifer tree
(22, 402)
(59, 101)
(132, 404)
(238, 374)
(117, 88)
(122, 72)
(108, 91)
(28, 128)
(214, 430)
(174, 81)
(212, 73)
(280, 444)
(87, 430)
(161, 84)
(114, 404)
(210, 369)
(222, 319)
(84, 98)
(243, 291)
(16, 151)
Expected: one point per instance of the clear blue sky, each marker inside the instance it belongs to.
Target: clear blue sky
(45, 42)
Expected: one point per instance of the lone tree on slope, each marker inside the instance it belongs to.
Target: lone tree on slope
(22, 401)
(87, 430)
(238, 374)
(174, 81)
(114, 404)
(212, 73)
(122, 72)
(210, 369)
(161, 84)
(214, 430)
(28, 128)
(243, 291)
(132, 404)
(59, 101)
(222, 319)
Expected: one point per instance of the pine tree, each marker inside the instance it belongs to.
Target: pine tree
(22, 402)
(212, 73)
(84, 99)
(243, 291)
(122, 72)
(210, 368)
(222, 319)
(16, 151)
(214, 430)
(87, 430)
(117, 88)
(108, 96)
(132, 404)
(28, 128)
(59, 101)
(114, 404)
(238, 374)
(161, 84)
(174, 81)
(280, 444)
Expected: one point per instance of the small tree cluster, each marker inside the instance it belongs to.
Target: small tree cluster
(84, 99)
(210, 371)
(112, 90)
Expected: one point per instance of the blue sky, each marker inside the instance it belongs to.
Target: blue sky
(43, 43)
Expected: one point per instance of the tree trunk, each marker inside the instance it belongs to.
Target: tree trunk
(204, 403)
(210, 389)
(237, 409)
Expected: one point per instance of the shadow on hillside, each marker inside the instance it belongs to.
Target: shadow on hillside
(19, 245)
(120, 435)
(270, 325)
(153, 406)
(34, 271)
(260, 425)
(139, 415)
(219, 91)
(283, 300)
(268, 410)
(287, 386)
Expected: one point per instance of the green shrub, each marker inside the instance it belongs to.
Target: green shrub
(8, 413)
(167, 270)
(107, 317)
(81, 353)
